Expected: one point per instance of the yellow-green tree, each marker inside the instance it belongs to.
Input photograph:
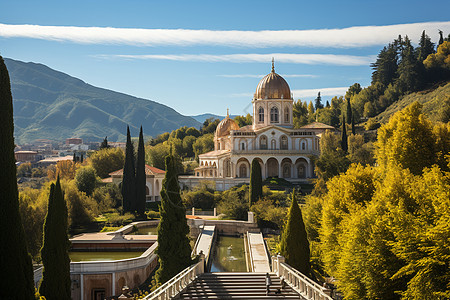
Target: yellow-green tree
(406, 140)
(107, 160)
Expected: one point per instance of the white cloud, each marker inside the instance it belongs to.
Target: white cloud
(357, 36)
(306, 93)
(262, 75)
(310, 59)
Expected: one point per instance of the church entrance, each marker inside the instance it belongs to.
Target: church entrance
(272, 167)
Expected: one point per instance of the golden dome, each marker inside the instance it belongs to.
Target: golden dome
(225, 126)
(273, 86)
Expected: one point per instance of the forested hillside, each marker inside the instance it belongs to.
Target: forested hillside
(53, 105)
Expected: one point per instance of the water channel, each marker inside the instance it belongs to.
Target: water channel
(228, 255)
(149, 230)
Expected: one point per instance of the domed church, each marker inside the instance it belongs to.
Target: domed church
(281, 150)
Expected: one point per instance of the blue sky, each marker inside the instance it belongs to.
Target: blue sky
(206, 56)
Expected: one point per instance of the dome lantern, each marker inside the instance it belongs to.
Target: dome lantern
(272, 86)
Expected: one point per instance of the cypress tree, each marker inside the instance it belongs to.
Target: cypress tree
(55, 282)
(174, 250)
(104, 144)
(15, 261)
(81, 158)
(74, 159)
(255, 182)
(294, 245)
(344, 142)
(129, 177)
(349, 111)
(353, 125)
(318, 102)
(441, 38)
(140, 176)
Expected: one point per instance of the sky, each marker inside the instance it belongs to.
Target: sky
(206, 56)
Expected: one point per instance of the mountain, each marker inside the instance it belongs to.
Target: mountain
(203, 117)
(53, 105)
(431, 99)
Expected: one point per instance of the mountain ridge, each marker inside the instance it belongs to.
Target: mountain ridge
(54, 105)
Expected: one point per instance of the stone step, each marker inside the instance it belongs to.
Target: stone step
(270, 296)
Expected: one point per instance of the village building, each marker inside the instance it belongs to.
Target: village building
(154, 178)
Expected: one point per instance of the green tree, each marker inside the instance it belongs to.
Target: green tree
(203, 144)
(129, 177)
(107, 160)
(255, 182)
(294, 245)
(406, 140)
(409, 73)
(318, 102)
(349, 112)
(426, 47)
(140, 177)
(104, 144)
(244, 120)
(14, 258)
(55, 282)
(385, 67)
(344, 141)
(86, 179)
(156, 154)
(173, 250)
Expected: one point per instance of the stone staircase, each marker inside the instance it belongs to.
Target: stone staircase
(237, 286)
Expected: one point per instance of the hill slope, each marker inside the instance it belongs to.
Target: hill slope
(431, 100)
(53, 105)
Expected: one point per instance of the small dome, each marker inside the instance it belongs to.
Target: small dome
(225, 126)
(273, 86)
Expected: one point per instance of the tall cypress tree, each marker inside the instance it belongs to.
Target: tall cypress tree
(344, 142)
(55, 282)
(349, 111)
(318, 102)
(129, 177)
(17, 281)
(255, 182)
(173, 250)
(294, 245)
(353, 125)
(140, 176)
(104, 143)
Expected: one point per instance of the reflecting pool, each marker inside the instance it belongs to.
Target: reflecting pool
(150, 230)
(102, 255)
(228, 255)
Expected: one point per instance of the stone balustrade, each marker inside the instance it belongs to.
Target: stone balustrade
(179, 282)
(309, 289)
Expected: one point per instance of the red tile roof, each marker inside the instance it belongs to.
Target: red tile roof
(149, 170)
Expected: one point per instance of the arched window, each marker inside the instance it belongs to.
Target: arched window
(286, 115)
(263, 142)
(243, 171)
(273, 145)
(303, 145)
(274, 115)
(218, 146)
(301, 171)
(261, 115)
(242, 146)
(227, 168)
(284, 143)
(286, 171)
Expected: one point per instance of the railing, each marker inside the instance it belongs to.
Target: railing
(179, 282)
(298, 281)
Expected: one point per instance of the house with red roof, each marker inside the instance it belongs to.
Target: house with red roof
(154, 178)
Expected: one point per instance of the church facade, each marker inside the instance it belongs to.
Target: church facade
(281, 150)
